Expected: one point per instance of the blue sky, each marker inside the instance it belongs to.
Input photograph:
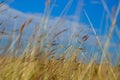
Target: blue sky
(94, 8)
(38, 6)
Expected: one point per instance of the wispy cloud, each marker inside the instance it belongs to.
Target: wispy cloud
(12, 19)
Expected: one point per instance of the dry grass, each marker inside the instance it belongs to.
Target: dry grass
(39, 62)
(30, 68)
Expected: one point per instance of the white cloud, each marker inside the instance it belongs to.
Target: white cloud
(8, 17)
(12, 19)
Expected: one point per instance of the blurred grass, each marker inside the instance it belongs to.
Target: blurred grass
(39, 62)
(31, 68)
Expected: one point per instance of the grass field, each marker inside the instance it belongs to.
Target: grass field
(37, 60)
(31, 68)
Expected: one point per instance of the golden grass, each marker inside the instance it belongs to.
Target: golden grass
(36, 64)
(31, 68)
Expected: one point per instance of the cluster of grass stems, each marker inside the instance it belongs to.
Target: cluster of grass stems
(39, 62)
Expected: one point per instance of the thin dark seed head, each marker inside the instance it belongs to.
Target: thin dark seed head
(3, 32)
(82, 49)
(53, 50)
(84, 38)
(21, 31)
(55, 35)
(29, 21)
(15, 17)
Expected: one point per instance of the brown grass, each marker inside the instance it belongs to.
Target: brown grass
(37, 62)
(31, 68)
